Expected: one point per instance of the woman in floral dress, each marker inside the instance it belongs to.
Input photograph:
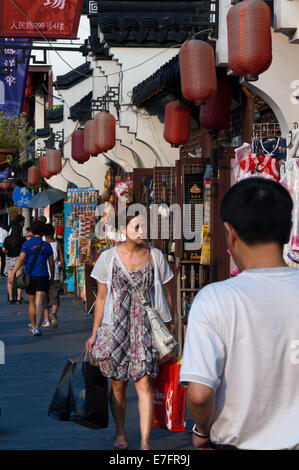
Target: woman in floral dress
(121, 338)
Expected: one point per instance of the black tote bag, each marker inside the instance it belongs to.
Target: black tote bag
(81, 395)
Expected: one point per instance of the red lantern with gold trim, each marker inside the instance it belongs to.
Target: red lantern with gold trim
(78, 153)
(215, 113)
(249, 38)
(197, 70)
(105, 125)
(43, 168)
(177, 123)
(89, 141)
(33, 175)
(54, 161)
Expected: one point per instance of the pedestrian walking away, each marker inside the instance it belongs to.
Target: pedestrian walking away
(121, 338)
(240, 359)
(52, 299)
(39, 277)
(3, 235)
(12, 248)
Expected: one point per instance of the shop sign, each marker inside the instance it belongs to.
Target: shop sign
(14, 63)
(55, 19)
(22, 197)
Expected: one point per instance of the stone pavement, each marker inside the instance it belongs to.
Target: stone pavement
(28, 379)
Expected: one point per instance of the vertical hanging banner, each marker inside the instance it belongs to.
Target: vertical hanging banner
(55, 19)
(13, 73)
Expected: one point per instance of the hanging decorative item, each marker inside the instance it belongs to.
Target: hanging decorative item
(177, 123)
(78, 153)
(33, 175)
(249, 38)
(43, 168)
(197, 70)
(89, 140)
(105, 125)
(54, 161)
(215, 113)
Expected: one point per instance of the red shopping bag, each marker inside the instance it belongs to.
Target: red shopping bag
(169, 399)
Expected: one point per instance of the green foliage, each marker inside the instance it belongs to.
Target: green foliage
(15, 133)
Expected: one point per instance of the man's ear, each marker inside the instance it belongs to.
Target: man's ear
(230, 234)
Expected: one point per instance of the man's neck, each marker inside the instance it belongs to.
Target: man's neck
(261, 256)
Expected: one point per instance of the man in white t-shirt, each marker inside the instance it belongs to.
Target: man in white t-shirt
(241, 353)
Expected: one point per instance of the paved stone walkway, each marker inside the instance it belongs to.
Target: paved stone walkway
(29, 377)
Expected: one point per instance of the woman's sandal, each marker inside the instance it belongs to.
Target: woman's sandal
(120, 445)
(146, 447)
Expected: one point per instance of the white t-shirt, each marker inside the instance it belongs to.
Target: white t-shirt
(3, 235)
(242, 340)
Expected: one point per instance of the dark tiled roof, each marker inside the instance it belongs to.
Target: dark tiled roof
(164, 78)
(81, 111)
(73, 77)
(55, 115)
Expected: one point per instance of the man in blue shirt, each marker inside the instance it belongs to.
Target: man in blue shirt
(39, 276)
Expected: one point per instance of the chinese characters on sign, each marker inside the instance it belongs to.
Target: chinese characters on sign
(53, 19)
(13, 73)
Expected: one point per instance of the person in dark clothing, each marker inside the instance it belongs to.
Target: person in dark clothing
(12, 248)
(39, 275)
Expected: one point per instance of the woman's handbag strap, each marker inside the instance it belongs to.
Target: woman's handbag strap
(129, 277)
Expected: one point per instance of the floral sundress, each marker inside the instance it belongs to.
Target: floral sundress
(126, 349)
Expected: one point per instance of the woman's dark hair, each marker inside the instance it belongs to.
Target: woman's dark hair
(18, 219)
(49, 230)
(16, 231)
(37, 227)
(260, 211)
(133, 209)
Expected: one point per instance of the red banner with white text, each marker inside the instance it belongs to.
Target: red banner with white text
(40, 19)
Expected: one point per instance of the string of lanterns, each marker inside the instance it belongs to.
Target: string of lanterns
(249, 55)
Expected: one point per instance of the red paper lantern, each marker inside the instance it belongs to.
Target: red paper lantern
(249, 38)
(5, 185)
(33, 175)
(78, 153)
(89, 141)
(177, 123)
(54, 161)
(43, 168)
(105, 125)
(215, 113)
(197, 70)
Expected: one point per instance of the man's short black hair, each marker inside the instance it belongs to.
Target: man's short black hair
(49, 230)
(260, 211)
(37, 227)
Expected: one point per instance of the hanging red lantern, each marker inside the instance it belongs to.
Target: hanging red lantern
(197, 70)
(5, 185)
(177, 123)
(43, 168)
(249, 38)
(33, 175)
(105, 125)
(215, 113)
(78, 153)
(89, 140)
(54, 161)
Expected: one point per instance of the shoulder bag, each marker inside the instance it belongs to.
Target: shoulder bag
(164, 341)
(23, 280)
